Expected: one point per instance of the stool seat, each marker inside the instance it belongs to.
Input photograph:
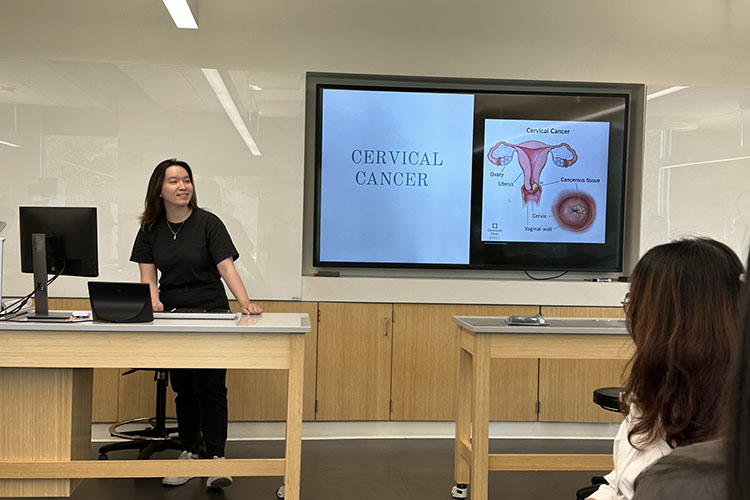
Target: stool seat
(608, 398)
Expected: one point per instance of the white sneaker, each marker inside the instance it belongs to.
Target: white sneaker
(179, 481)
(217, 482)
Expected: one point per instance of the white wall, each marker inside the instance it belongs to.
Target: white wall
(90, 134)
(664, 43)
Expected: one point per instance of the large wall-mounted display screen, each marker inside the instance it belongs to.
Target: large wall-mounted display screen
(425, 173)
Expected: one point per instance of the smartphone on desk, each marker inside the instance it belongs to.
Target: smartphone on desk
(536, 320)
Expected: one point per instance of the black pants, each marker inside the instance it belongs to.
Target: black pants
(201, 409)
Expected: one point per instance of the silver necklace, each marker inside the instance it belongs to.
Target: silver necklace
(175, 233)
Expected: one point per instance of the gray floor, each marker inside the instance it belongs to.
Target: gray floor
(404, 469)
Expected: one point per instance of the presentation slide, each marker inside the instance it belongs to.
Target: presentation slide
(395, 177)
(544, 181)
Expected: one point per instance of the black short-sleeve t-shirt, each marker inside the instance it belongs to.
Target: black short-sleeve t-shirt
(187, 262)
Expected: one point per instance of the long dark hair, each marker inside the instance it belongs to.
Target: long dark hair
(154, 204)
(683, 317)
(739, 409)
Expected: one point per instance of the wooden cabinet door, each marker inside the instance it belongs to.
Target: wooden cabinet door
(513, 382)
(354, 361)
(261, 395)
(425, 360)
(566, 386)
(582, 312)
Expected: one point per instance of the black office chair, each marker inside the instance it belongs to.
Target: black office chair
(609, 399)
(156, 436)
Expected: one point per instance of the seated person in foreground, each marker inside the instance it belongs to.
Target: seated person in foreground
(682, 315)
(715, 469)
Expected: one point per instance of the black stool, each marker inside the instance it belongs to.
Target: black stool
(156, 436)
(609, 399)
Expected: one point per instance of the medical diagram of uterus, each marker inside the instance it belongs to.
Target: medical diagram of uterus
(532, 157)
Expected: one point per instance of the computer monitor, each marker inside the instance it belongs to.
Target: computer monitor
(58, 241)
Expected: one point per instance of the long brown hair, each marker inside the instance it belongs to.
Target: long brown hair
(683, 317)
(154, 204)
(738, 443)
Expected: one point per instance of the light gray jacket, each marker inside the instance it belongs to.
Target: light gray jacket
(690, 472)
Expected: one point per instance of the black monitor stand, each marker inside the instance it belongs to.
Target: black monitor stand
(41, 299)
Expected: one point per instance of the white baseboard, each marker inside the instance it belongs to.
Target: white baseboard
(249, 431)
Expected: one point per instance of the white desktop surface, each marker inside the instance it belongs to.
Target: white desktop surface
(262, 323)
(581, 326)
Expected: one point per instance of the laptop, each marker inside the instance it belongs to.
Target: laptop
(120, 302)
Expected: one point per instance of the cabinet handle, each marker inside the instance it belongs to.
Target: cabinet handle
(386, 326)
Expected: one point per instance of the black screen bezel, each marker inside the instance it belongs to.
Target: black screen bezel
(606, 257)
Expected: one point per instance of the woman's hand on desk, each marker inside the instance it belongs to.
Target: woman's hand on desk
(251, 308)
(148, 276)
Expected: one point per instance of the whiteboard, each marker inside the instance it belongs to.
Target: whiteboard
(89, 134)
(696, 178)
(85, 134)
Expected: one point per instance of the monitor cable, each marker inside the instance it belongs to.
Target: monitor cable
(11, 310)
(547, 278)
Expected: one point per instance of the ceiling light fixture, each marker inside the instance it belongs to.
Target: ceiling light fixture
(661, 93)
(184, 13)
(255, 87)
(220, 89)
(4, 143)
(705, 162)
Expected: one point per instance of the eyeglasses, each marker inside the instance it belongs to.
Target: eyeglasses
(625, 301)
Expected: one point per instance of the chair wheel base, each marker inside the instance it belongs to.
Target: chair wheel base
(460, 490)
